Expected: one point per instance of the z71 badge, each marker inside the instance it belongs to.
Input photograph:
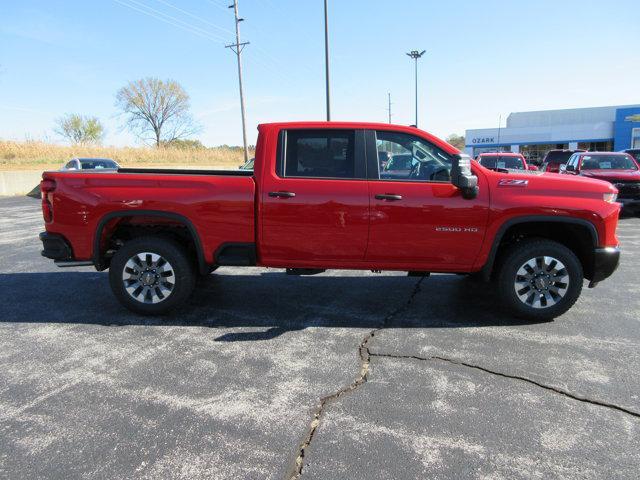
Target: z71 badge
(506, 182)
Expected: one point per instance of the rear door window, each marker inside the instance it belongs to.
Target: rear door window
(318, 154)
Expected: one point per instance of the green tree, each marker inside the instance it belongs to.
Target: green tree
(79, 129)
(186, 144)
(156, 110)
(456, 140)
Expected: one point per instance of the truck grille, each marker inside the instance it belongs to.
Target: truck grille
(628, 189)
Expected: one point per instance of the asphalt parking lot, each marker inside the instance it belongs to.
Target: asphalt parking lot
(344, 375)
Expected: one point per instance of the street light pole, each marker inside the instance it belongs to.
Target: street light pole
(415, 54)
(237, 48)
(326, 58)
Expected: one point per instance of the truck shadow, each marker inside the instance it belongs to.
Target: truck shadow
(269, 303)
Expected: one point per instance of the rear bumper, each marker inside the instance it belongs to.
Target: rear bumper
(55, 247)
(605, 262)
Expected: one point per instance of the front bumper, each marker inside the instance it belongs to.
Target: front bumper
(629, 202)
(605, 262)
(55, 247)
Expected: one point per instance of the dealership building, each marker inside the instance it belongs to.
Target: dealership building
(535, 133)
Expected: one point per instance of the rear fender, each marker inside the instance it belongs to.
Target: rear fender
(109, 222)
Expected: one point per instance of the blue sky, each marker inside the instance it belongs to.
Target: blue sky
(484, 59)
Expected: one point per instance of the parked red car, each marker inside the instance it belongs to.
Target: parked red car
(317, 200)
(620, 169)
(502, 160)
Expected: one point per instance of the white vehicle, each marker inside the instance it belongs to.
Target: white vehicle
(91, 164)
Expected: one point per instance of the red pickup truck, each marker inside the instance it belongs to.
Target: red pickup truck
(619, 168)
(318, 199)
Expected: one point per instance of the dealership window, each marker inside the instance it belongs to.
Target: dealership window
(596, 146)
(536, 153)
(319, 153)
(635, 138)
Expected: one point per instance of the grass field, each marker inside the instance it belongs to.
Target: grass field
(46, 156)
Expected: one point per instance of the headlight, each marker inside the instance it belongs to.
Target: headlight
(609, 197)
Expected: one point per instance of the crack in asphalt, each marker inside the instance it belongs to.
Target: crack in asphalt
(365, 360)
(557, 390)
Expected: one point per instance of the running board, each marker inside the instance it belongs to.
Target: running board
(304, 271)
(74, 263)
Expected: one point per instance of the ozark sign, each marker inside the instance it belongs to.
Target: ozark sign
(482, 140)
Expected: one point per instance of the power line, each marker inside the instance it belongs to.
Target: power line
(163, 17)
(189, 14)
(201, 33)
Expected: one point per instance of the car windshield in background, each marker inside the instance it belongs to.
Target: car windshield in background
(608, 162)
(495, 161)
(558, 157)
(97, 164)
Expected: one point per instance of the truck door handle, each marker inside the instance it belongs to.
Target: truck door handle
(388, 196)
(282, 194)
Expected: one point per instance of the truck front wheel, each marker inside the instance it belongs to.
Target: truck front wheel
(151, 275)
(539, 279)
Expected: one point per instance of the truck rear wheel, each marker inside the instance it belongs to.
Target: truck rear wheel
(151, 275)
(539, 279)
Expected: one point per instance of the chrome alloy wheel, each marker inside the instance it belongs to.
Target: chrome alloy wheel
(148, 278)
(541, 282)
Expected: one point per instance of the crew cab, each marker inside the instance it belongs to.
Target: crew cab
(318, 198)
(620, 169)
(504, 160)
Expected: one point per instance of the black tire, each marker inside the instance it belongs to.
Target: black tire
(515, 259)
(176, 291)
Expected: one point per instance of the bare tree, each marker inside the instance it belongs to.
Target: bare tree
(80, 129)
(156, 110)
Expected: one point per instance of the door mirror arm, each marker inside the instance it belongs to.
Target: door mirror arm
(463, 178)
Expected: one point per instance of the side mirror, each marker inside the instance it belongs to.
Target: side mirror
(462, 177)
(569, 168)
(532, 167)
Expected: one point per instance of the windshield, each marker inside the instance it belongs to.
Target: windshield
(97, 164)
(608, 162)
(496, 161)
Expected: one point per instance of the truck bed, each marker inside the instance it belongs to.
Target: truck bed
(217, 204)
(186, 171)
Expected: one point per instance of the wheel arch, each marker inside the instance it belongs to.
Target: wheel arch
(582, 239)
(98, 257)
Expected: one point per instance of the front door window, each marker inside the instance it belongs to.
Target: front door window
(406, 157)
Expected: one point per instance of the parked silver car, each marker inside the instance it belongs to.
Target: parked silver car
(91, 164)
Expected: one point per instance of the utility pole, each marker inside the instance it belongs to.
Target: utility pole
(326, 58)
(389, 107)
(237, 48)
(415, 54)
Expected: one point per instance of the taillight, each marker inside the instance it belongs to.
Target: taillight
(47, 186)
